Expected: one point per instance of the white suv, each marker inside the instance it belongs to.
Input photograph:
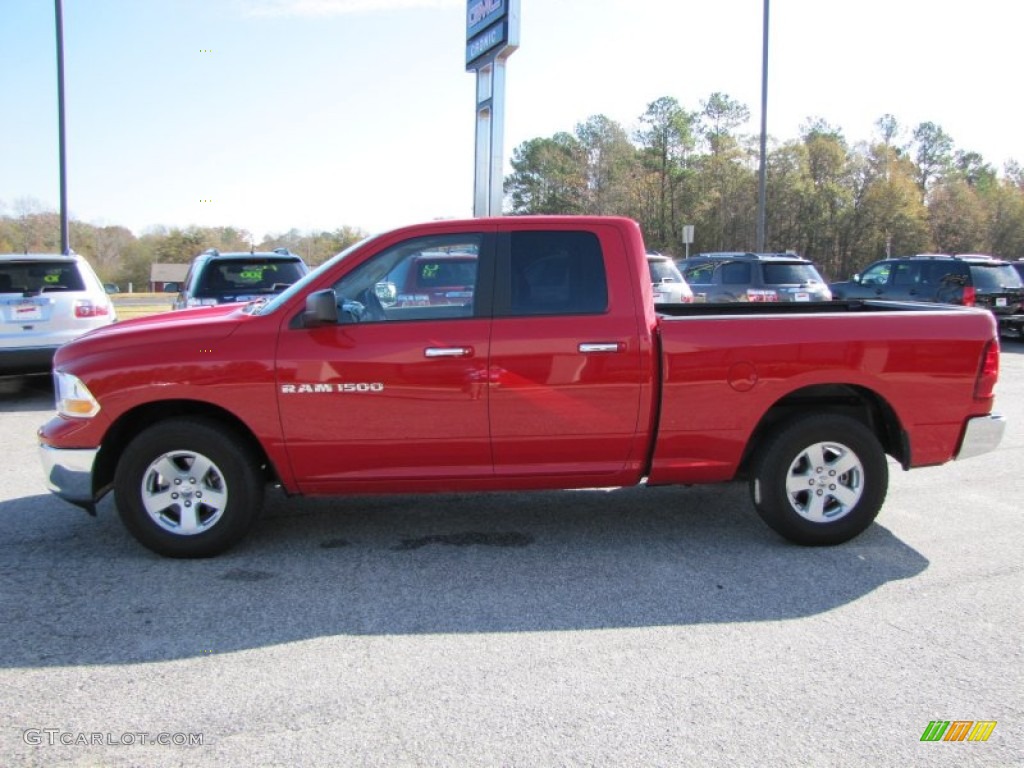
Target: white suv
(45, 301)
(668, 282)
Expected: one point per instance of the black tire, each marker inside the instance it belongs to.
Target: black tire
(820, 480)
(188, 487)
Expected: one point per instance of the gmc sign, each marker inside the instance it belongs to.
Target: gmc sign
(480, 14)
(492, 31)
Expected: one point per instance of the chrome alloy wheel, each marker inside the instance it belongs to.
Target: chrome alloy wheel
(184, 492)
(825, 482)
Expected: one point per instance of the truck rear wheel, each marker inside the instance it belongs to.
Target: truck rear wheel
(821, 480)
(188, 488)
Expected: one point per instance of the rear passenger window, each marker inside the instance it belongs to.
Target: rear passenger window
(906, 274)
(557, 273)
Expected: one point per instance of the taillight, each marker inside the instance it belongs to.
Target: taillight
(86, 308)
(970, 294)
(988, 373)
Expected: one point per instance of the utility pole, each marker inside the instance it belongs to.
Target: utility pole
(762, 181)
(65, 245)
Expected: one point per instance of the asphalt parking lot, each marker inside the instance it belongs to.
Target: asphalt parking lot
(634, 627)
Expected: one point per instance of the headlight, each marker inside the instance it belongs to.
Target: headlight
(73, 398)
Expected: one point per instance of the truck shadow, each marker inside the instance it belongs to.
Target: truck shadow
(81, 591)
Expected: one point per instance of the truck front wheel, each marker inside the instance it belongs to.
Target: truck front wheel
(188, 488)
(821, 480)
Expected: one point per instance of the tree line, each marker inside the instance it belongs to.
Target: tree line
(839, 204)
(118, 256)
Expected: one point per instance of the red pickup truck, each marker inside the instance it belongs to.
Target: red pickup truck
(548, 368)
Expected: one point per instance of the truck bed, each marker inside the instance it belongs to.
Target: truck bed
(731, 369)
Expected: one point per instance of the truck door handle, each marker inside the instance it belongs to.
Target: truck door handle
(601, 346)
(448, 352)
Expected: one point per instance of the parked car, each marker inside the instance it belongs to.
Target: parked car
(971, 280)
(225, 278)
(669, 285)
(430, 279)
(741, 276)
(45, 301)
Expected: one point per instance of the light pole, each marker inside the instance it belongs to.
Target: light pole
(65, 246)
(762, 180)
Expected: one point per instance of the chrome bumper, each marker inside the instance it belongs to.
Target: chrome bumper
(68, 472)
(983, 434)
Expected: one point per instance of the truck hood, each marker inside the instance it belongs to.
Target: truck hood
(201, 324)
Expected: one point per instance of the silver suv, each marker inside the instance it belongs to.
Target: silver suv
(738, 276)
(45, 301)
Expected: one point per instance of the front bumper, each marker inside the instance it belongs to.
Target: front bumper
(69, 473)
(983, 434)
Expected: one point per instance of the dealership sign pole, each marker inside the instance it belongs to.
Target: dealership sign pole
(492, 35)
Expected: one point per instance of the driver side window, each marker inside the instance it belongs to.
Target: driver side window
(876, 275)
(427, 278)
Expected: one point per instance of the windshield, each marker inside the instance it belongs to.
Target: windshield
(785, 274)
(300, 285)
(995, 277)
(225, 278)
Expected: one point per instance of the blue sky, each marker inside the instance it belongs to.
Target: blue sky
(316, 114)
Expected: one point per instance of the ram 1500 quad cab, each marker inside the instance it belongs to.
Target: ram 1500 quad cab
(548, 367)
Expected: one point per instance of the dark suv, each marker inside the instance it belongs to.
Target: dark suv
(971, 280)
(223, 278)
(736, 276)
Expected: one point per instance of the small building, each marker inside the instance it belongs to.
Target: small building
(167, 278)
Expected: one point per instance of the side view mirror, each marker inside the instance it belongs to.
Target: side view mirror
(855, 278)
(321, 309)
